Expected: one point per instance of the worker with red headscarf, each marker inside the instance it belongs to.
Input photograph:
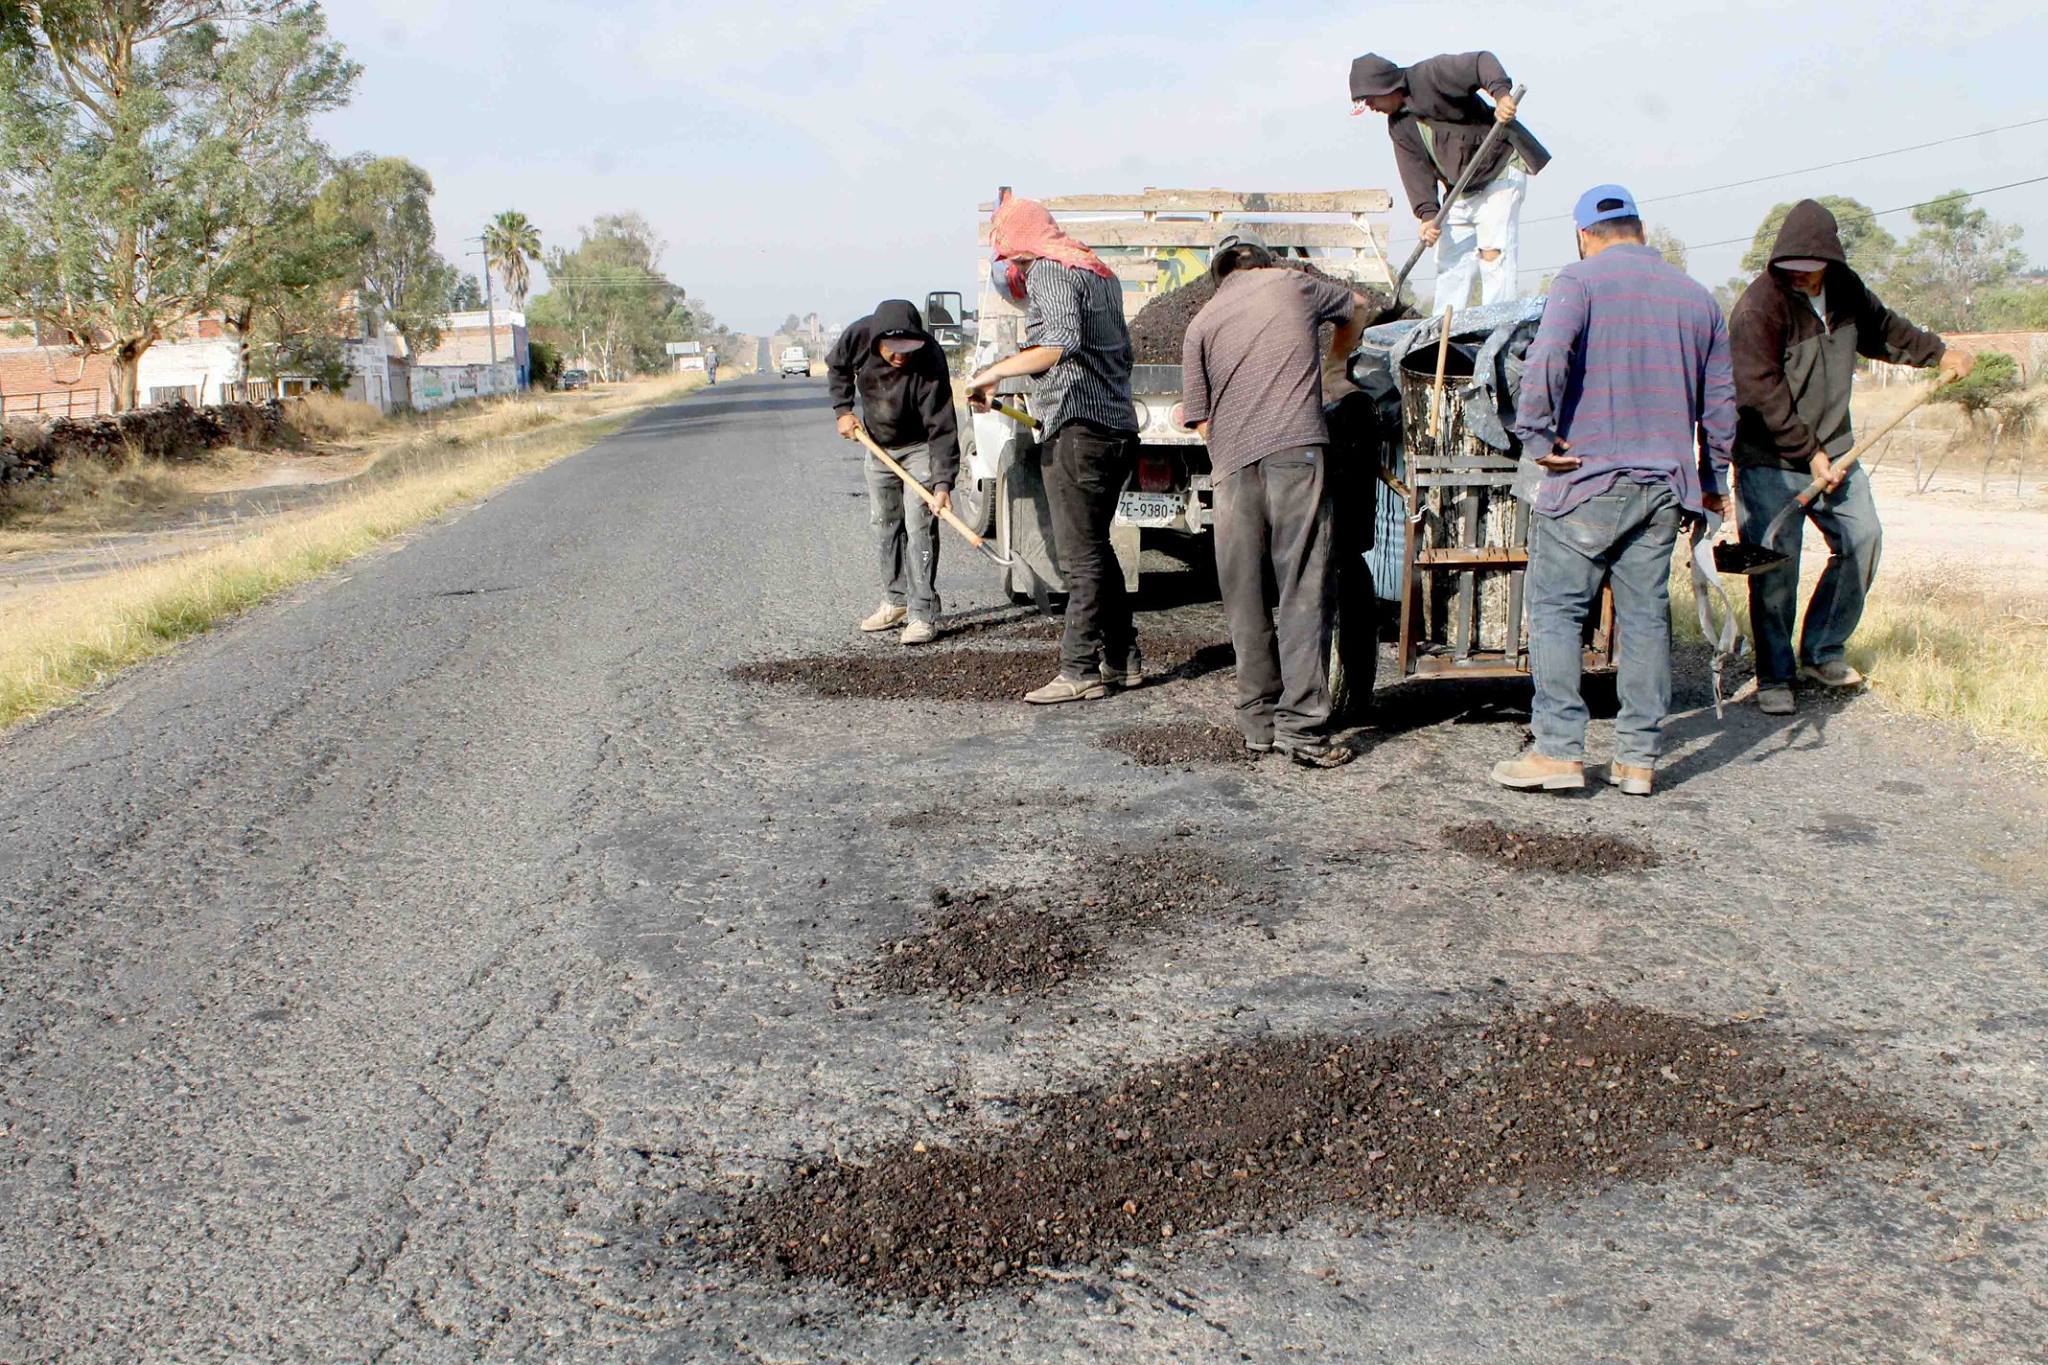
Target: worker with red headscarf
(1079, 351)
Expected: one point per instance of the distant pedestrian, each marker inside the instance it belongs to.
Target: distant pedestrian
(1797, 331)
(1254, 393)
(1077, 346)
(895, 368)
(1437, 121)
(1628, 406)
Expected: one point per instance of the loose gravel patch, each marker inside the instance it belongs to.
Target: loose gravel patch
(972, 673)
(1179, 743)
(1542, 850)
(1012, 941)
(1467, 1119)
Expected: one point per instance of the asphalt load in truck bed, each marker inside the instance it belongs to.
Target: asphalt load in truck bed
(1477, 1119)
(1162, 325)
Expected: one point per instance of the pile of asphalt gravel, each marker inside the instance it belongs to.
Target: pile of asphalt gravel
(1009, 941)
(965, 673)
(1467, 1119)
(1162, 325)
(1178, 743)
(1542, 850)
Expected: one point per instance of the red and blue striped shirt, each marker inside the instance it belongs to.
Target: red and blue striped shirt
(1630, 370)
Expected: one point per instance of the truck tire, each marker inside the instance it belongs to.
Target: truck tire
(974, 502)
(1354, 642)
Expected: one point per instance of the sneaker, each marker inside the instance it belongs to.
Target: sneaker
(1532, 771)
(1836, 675)
(1631, 779)
(1132, 674)
(1066, 689)
(1776, 700)
(886, 617)
(919, 633)
(1315, 754)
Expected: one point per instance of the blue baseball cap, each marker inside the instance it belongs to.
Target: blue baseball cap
(1603, 202)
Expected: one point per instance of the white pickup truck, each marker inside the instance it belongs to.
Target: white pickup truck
(796, 361)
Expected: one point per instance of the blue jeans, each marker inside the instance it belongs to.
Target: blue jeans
(1847, 519)
(906, 534)
(1625, 535)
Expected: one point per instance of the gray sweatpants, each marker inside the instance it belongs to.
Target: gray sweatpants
(1273, 533)
(906, 533)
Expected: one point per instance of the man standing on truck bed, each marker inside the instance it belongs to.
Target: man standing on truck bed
(1254, 393)
(1076, 343)
(1797, 331)
(1437, 121)
(896, 369)
(1628, 407)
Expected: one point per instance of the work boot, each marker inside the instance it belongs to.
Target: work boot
(1066, 689)
(1532, 771)
(1314, 753)
(1258, 747)
(886, 617)
(1631, 779)
(1837, 675)
(1131, 674)
(1776, 700)
(919, 633)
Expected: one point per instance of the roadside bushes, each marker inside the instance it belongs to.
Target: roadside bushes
(171, 432)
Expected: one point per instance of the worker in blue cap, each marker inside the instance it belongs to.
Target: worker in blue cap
(1627, 412)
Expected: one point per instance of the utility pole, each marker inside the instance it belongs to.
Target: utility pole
(490, 307)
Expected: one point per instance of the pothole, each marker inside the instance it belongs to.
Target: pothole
(964, 673)
(1541, 850)
(1178, 743)
(1467, 1119)
(1028, 940)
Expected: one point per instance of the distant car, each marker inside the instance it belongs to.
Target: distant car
(575, 379)
(795, 361)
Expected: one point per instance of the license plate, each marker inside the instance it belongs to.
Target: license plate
(1151, 509)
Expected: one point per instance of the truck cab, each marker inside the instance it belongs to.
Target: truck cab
(796, 361)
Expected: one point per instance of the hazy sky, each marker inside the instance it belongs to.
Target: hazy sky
(828, 154)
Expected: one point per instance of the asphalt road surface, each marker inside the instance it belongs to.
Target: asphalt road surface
(415, 969)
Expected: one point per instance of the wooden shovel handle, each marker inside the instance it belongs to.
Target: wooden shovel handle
(931, 499)
(1863, 447)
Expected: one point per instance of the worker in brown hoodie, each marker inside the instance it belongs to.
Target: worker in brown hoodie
(1795, 336)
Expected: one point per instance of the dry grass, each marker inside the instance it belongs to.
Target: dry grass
(62, 641)
(1932, 645)
(330, 417)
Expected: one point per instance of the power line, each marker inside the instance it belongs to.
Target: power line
(1824, 166)
(1874, 213)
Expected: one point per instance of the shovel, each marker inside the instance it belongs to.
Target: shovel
(1736, 557)
(1393, 310)
(931, 500)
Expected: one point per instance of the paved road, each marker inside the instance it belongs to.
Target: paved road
(392, 973)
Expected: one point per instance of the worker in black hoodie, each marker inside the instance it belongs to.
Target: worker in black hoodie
(896, 369)
(1794, 337)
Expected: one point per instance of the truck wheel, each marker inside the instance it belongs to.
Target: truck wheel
(1354, 642)
(974, 502)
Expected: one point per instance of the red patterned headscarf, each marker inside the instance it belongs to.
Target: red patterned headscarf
(1024, 225)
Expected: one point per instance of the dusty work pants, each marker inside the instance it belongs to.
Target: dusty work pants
(1626, 536)
(1488, 219)
(906, 534)
(1086, 468)
(1847, 519)
(1273, 536)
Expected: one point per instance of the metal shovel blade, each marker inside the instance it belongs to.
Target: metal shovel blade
(1733, 557)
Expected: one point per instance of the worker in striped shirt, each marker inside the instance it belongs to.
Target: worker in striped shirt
(1078, 348)
(1627, 408)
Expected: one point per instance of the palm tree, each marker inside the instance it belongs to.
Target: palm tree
(510, 241)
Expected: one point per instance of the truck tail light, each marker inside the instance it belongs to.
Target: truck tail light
(1155, 472)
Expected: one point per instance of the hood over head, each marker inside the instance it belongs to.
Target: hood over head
(896, 318)
(1373, 74)
(1809, 233)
